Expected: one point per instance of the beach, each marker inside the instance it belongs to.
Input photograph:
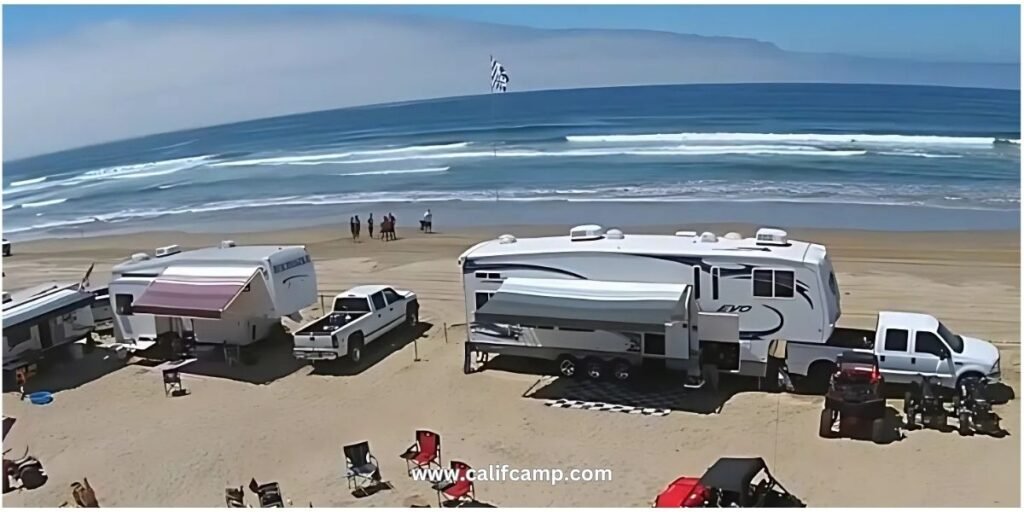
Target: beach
(281, 421)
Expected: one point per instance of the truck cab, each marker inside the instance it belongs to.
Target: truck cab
(358, 316)
(912, 345)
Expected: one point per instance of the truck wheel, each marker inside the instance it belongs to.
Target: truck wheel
(594, 368)
(818, 376)
(355, 348)
(412, 318)
(567, 366)
(825, 424)
(622, 370)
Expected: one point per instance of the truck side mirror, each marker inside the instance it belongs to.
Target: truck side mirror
(944, 353)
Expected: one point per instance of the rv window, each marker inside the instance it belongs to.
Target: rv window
(488, 275)
(696, 282)
(573, 329)
(716, 274)
(784, 283)
(378, 300)
(928, 343)
(482, 298)
(123, 303)
(896, 340)
(392, 296)
(481, 275)
(763, 283)
(18, 335)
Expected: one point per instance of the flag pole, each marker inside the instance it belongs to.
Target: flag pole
(494, 144)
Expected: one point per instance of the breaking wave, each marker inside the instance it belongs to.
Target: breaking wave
(794, 138)
(40, 204)
(426, 170)
(332, 158)
(32, 181)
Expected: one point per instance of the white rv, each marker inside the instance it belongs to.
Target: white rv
(42, 318)
(226, 294)
(779, 288)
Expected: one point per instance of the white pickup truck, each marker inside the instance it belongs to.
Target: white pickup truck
(908, 346)
(358, 317)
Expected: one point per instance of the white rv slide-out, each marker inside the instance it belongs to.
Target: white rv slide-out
(780, 289)
(226, 294)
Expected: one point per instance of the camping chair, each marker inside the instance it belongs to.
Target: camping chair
(425, 452)
(363, 468)
(461, 490)
(269, 494)
(234, 497)
(172, 383)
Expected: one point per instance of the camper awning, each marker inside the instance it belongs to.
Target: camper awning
(585, 304)
(194, 292)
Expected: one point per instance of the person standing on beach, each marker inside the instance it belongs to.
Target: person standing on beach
(352, 227)
(385, 229)
(428, 222)
(391, 218)
(369, 225)
(359, 227)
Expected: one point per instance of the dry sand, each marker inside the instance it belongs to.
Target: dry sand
(138, 448)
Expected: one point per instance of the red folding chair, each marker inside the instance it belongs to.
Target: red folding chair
(461, 490)
(425, 452)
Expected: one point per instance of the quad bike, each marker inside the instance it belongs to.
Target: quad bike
(26, 471)
(925, 400)
(973, 408)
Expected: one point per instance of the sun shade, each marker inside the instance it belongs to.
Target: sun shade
(204, 292)
(585, 304)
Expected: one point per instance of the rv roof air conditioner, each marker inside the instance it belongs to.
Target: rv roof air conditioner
(689, 234)
(772, 236)
(586, 232)
(140, 256)
(167, 251)
(506, 239)
(708, 237)
(227, 243)
(614, 234)
(732, 235)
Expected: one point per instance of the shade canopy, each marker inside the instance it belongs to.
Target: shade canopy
(194, 292)
(586, 304)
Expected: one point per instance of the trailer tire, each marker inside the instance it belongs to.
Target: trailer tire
(568, 366)
(594, 368)
(825, 424)
(622, 370)
(355, 347)
(709, 373)
(818, 376)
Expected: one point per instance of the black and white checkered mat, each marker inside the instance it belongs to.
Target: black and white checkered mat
(609, 396)
(565, 403)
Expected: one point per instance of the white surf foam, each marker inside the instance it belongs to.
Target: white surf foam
(917, 154)
(829, 138)
(40, 204)
(426, 170)
(22, 183)
(334, 158)
(142, 170)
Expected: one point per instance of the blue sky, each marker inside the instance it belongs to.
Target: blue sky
(944, 33)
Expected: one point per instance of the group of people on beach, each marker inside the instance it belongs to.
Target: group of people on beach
(387, 227)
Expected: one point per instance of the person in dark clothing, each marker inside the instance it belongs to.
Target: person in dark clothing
(369, 225)
(391, 218)
(352, 227)
(358, 226)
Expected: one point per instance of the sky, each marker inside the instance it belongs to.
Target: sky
(925, 32)
(80, 75)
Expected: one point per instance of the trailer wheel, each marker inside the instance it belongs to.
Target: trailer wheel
(825, 424)
(567, 366)
(594, 368)
(622, 370)
(355, 347)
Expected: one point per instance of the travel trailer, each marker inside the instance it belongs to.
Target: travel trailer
(43, 318)
(780, 289)
(227, 294)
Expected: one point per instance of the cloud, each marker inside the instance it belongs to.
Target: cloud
(120, 80)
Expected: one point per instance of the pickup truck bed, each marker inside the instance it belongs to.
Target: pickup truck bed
(329, 324)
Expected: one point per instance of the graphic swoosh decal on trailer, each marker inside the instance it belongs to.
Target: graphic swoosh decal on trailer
(756, 335)
(470, 267)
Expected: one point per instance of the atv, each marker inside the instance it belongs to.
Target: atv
(925, 400)
(973, 407)
(729, 483)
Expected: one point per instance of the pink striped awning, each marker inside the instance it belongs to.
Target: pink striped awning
(192, 296)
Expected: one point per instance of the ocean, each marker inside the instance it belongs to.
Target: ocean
(810, 155)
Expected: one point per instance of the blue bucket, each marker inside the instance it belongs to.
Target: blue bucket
(40, 397)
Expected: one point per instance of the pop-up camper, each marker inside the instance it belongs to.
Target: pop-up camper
(228, 294)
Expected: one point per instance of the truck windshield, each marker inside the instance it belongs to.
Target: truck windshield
(955, 341)
(351, 305)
